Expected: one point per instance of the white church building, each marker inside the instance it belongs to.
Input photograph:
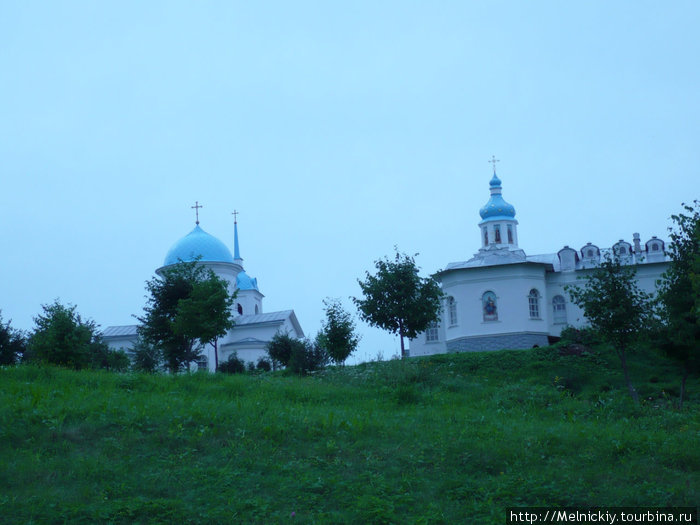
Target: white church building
(254, 327)
(502, 298)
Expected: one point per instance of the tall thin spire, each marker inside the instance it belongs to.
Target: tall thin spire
(236, 251)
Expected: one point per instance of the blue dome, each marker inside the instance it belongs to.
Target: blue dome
(496, 208)
(198, 243)
(245, 282)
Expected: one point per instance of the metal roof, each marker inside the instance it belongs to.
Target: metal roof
(120, 331)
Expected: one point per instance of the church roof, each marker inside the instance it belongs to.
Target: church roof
(246, 282)
(270, 318)
(120, 331)
(198, 243)
(496, 208)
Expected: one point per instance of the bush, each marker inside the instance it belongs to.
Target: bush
(307, 357)
(264, 365)
(12, 344)
(146, 357)
(586, 336)
(234, 365)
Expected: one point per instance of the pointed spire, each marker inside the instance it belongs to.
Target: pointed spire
(236, 251)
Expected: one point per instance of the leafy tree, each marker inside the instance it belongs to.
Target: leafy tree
(280, 349)
(61, 337)
(297, 355)
(398, 300)
(146, 357)
(187, 308)
(12, 343)
(680, 294)
(337, 335)
(615, 306)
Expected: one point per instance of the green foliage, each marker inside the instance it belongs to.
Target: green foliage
(280, 348)
(300, 356)
(398, 300)
(61, 337)
(234, 365)
(680, 293)
(187, 308)
(146, 357)
(615, 306)
(337, 335)
(263, 364)
(582, 336)
(105, 358)
(12, 344)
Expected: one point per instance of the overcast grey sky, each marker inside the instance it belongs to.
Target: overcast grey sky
(337, 130)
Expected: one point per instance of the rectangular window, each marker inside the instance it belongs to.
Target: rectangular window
(497, 233)
(534, 308)
(453, 311)
(431, 334)
(510, 234)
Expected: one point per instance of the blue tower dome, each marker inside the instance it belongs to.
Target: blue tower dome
(198, 243)
(496, 208)
(245, 282)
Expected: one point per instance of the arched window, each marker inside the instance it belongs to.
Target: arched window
(510, 234)
(239, 308)
(654, 247)
(489, 306)
(497, 233)
(533, 300)
(202, 363)
(559, 308)
(431, 334)
(486, 236)
(257, 310)
(452, 310)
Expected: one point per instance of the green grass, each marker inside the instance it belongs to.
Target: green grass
(448, 439)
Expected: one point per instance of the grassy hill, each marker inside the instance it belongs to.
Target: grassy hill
(447, 439)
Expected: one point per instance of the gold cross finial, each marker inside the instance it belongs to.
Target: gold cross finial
(196, 210)
(493, 161)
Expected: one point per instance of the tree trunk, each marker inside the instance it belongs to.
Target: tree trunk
(403, 350)
(630, 387)
(216, 355)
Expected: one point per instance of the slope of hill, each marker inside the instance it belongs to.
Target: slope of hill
(447, 439)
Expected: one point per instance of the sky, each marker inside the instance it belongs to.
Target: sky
(337, 130)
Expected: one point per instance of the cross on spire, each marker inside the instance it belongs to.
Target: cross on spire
(235, 216)
(493, 161)
(196, 210)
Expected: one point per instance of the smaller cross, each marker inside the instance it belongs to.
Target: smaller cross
(235, 216)
(493, 161)
(196, 209)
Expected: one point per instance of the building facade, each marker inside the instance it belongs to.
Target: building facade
(502, 298)
(254, 327)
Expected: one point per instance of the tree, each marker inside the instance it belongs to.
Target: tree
(146, 357)
(297, 355)
(12, 343)
(187, 308)
(337, 335)
(615, 307)
(61, 337)
(680, 294)
(398, 300)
